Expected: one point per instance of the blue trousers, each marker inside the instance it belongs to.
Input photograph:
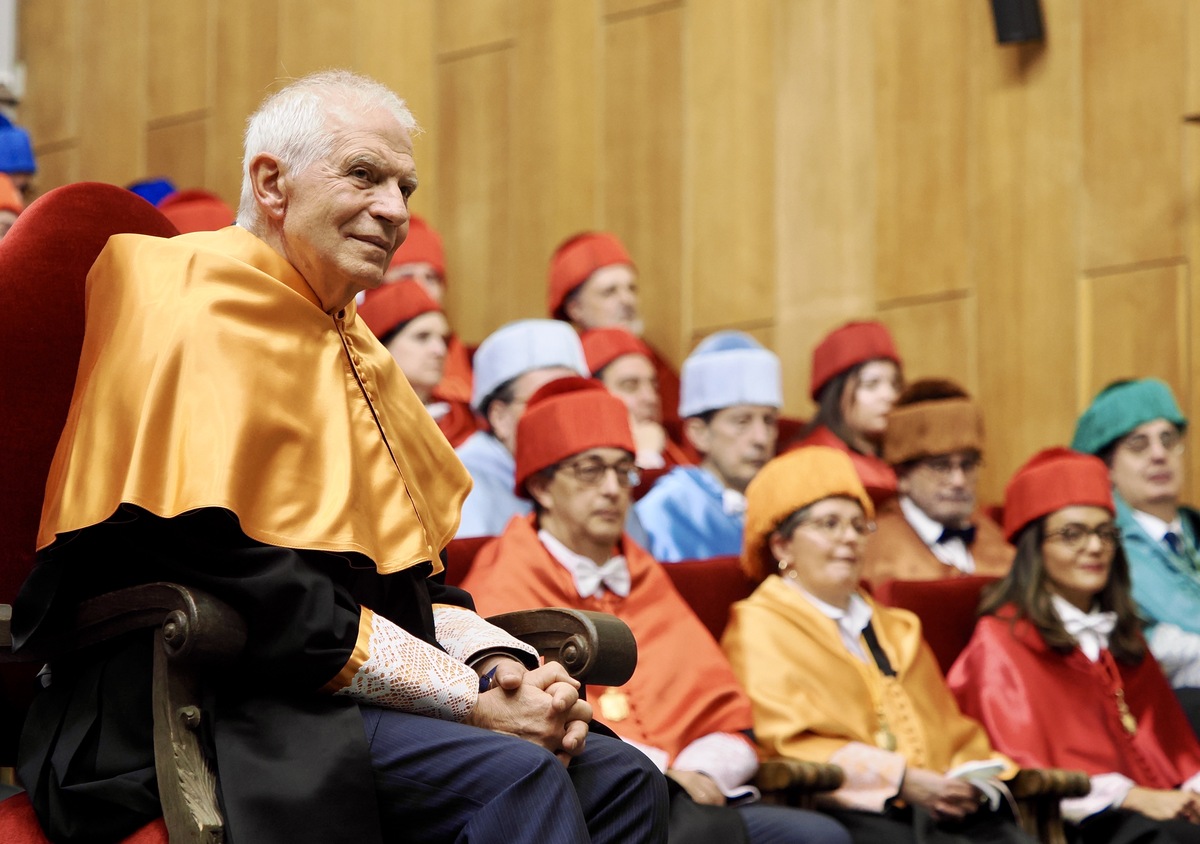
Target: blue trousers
(439, 781)
(784, 825)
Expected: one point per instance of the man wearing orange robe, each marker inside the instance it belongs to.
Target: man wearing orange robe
(575, 460)
(236, 428)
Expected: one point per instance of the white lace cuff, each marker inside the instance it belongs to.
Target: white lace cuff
(394, 669)
(465, 636)
(727, 758)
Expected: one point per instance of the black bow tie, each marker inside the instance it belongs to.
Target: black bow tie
(966, 534)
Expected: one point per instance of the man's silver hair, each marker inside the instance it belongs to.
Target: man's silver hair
(291, 123)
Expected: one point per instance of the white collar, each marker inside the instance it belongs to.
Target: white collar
(952, 552)
(590, 579)
(851, 622)
(925, 526)
(1155, 527)
(733, 502)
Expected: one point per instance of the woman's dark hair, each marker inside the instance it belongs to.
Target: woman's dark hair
(829, 405)
(1025, 588)
(396, 329)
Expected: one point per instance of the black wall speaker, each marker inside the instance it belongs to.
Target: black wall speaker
(1017, 20)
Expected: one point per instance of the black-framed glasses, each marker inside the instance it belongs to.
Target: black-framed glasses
(945, 465)
(1171, 441)
(834, 527)
(591, 471)
(1076, 536)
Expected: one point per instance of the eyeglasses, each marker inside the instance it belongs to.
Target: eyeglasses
(1171, 440)
(944, 467)
(1076, 536)
(592, 471)
(834, 527)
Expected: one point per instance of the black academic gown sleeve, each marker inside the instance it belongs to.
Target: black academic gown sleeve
(293, 762)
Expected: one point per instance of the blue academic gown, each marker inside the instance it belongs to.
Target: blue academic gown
(492, 501)
(1166, 586)
(685, 519)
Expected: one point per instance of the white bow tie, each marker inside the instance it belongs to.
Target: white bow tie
(613, 575)
(733, 502)
(1091, 631)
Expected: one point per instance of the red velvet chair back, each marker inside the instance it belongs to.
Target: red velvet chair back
(946, 608)
(460, 554)
(710, 587)
(44, 260)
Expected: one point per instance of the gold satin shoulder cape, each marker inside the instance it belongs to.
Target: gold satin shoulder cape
(811, 697)
(211, 377)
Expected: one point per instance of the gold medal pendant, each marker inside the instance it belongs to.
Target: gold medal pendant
(1127, 720)
(614, 705)
(884, 738)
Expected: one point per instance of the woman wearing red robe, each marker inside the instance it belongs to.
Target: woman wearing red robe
(856, 379)
(1058, 671)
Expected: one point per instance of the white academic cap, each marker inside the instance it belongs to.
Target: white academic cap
(726, 369)
(521, 347)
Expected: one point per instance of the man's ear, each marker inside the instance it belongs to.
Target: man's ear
(269, 182)
(903, 485)
(696, 430)
(571, 308)
(536, 485)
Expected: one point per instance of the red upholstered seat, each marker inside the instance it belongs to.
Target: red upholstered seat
(946, 609)
(44, 261)
(710, 586)
(460, 554)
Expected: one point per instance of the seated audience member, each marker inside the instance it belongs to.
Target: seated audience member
(934, 441)
(625, 365)
(575, 461)
(196, 210)
(413, 328)
(856, 378)
(1057, 669)
(834, 677)
(730, 398)
(16, 157)
(422, 258)
(1137, 429)
(260, 444)
(510, 365)
(11, 204)
(593, 284)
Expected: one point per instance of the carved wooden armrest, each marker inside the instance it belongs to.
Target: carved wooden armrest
(1049, 782)
(795, 782)
(594, 647)
(196, 626)
(1039, 791)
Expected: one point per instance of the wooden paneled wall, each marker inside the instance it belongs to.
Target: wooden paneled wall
(1024, 217)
